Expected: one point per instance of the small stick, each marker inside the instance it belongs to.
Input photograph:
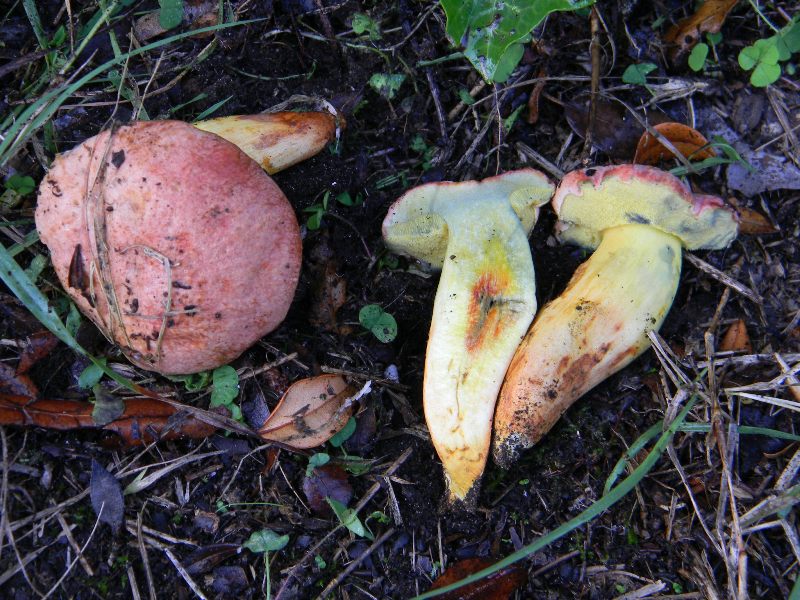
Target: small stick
(183, 573)
(724, 278)
(353, 565)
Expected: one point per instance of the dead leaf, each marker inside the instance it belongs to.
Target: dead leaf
(689, 142)
(736, 339)
(327, 481)
(106, 495)
(35, 348)
(752, 222)
(615, 131)
(206, 558)
(533, 99)
(196, 14)
(310, 412)
(16, 384)
(329, 295)
(143, 421)
(499, 586)
(685, 34)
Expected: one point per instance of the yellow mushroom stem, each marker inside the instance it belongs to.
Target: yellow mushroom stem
(595, 328)
(484, 303)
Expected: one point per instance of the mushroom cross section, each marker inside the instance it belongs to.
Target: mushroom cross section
(638, 218)
(476, 232)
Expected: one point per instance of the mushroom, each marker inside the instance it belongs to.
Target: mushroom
(173, 241)
(476, 232)
(638, 218)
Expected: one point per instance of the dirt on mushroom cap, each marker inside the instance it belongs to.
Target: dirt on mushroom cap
(201, 248)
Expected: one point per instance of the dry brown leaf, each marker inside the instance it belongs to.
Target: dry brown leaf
(753, 223)
(615, 131)
(736, 339)
(310, 412)
(499, 586)
(330, 294)
(689, 142)
(143, 421)
(687, 32)
(533, 99)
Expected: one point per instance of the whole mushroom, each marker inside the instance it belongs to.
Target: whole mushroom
(176, 243)
(637, 218)
(476, 232)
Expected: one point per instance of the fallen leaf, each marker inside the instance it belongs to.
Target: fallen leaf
(707, 19)
(327, 481)
(616, 132)
(206, 558)
(752, 222)
(689, 142)
(533, 99)
(16, 384)
(35, 348)
(143, 421)
(329, 295)
(106, 495)
(310, 412)
(196, 14)
(736, 339)
(498, 586)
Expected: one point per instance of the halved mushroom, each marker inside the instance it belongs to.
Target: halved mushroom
(638, 218)
(476, 232)
(278, 140)
(173, 241)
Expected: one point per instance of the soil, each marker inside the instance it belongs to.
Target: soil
(199, 514)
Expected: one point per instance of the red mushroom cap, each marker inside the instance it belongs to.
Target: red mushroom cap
(174, 242)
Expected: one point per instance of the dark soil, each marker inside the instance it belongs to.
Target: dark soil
(201, 513)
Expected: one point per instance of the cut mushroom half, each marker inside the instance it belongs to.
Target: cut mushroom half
(278, 140)
(476, 232)
(638, 218)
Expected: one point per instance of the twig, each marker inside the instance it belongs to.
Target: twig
(354, 564)
(183, 573)
(724, 278)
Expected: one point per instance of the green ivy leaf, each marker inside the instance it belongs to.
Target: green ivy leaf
(697, 59)
(493, 32)
(226, 386)
(363, 23)
(637, 74)
(382, 325)
(265, 540)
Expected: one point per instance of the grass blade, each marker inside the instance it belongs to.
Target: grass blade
(603, 504)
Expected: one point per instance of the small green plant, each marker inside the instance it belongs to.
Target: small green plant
(344, 434)
(387, 84)
(92, 374)
(425, 151)
(636, 74)
(170, 14)
(316, 460)
(494, 33)
(17, 187)
(349, 518)
(319, 209)
(364, 24)
(264, 542)
(381, 323)
(698, 59)
(225, 389)
(764, 57)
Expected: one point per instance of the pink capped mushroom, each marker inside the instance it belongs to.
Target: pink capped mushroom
(173, 241)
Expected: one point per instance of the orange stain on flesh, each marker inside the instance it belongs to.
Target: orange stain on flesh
(485, 312)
